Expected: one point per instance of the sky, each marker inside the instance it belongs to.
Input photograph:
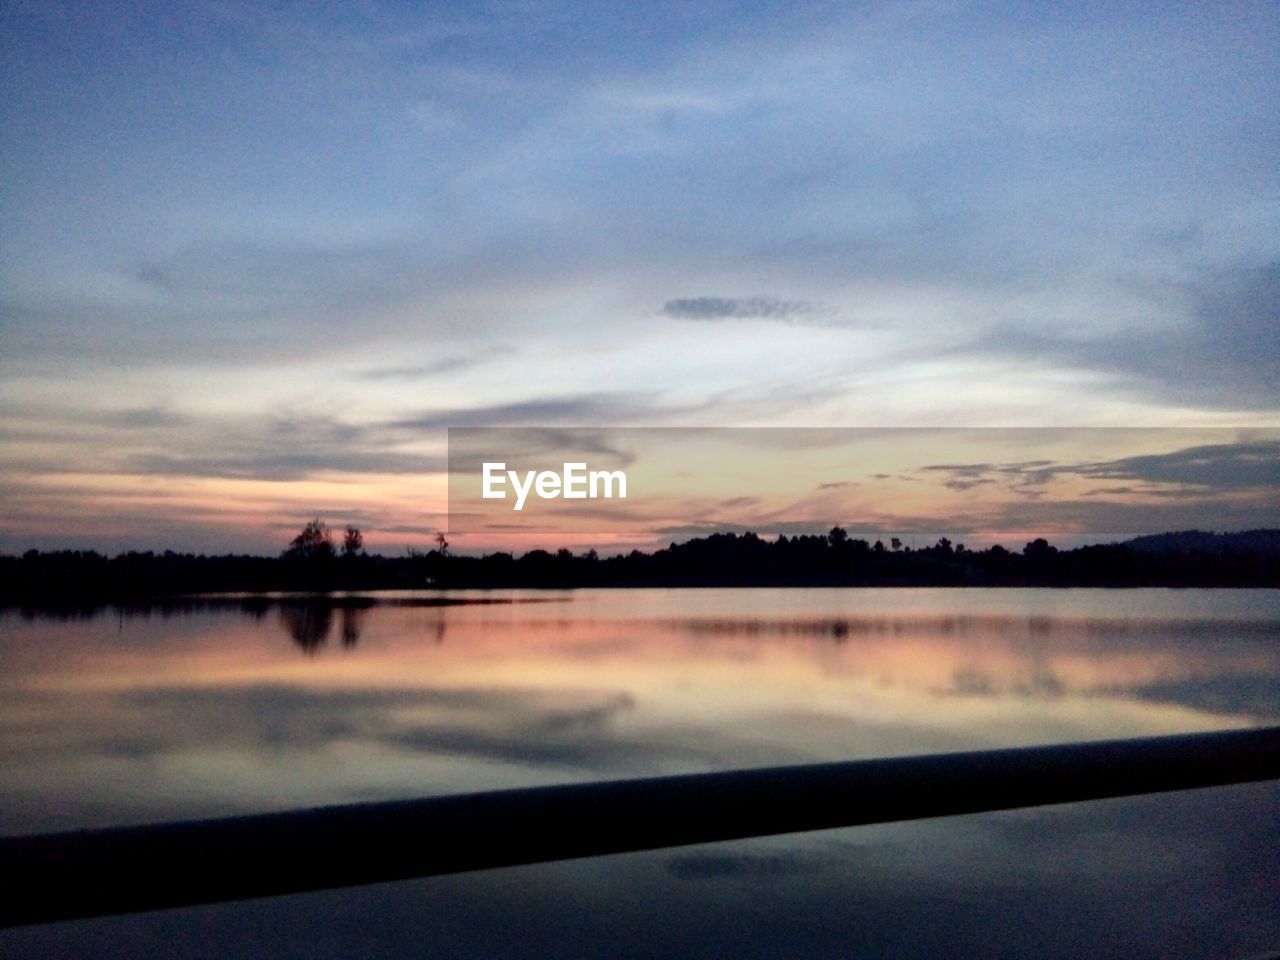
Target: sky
(255, 259)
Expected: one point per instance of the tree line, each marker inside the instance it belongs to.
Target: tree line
(315, 561)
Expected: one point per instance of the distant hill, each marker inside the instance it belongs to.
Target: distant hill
(1265, 542)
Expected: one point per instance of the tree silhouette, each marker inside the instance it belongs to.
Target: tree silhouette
(1039, 549)
(315, 542)
(352, 542)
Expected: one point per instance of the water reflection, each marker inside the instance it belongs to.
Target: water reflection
(352, 618)
(310, 622)
(253, 704)
(261, 703)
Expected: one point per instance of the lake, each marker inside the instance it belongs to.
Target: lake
(233, 706)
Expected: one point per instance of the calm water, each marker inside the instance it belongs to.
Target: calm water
(229, 708)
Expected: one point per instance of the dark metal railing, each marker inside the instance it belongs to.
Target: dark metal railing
(119, 870)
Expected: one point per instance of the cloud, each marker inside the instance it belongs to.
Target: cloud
(1027, 478)
(440, 367)
(963, 476)
(1222, 349)
(140, 417)
(225, 302)
(1218, 467)
(740, 308)
(159, 441)
(1197, 471)
(277, 447)
(576, 410)
(267, 464)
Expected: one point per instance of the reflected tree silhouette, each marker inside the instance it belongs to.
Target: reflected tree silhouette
(311, 621)
(309, 624)
(352, 625)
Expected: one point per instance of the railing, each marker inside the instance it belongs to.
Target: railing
(120, 870)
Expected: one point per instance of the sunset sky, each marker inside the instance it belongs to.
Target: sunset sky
(255, 259)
